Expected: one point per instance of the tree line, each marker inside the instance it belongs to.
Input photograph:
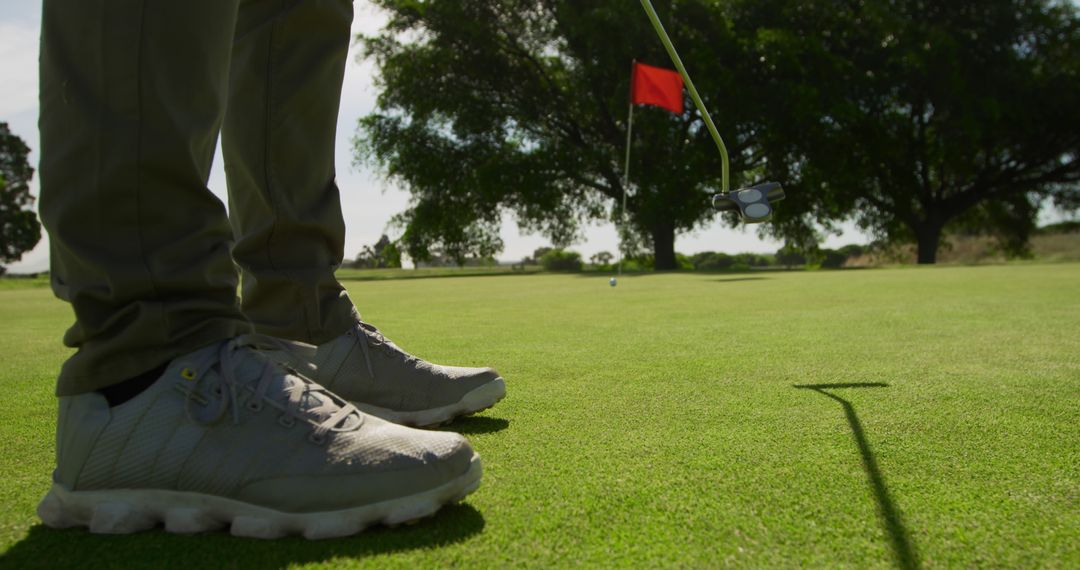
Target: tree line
(557, 259)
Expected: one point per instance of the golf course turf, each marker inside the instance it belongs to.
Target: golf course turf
(916, 417)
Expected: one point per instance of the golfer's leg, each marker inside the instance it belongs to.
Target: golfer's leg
(132, 96)
(288, 64)
(278, 139)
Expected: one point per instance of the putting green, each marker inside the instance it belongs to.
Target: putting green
(874, 418)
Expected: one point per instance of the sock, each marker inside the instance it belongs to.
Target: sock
(121, 392)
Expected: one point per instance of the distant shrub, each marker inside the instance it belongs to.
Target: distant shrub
(751, 260)
(711, 261)
(1069, 227)
(698, 258)
(537, 254)
(391, 256)
(561, 260)
(790, 257)
(740, 266)
(832, 259)
(602, 260)
(852, 250)
(683, 262)
(643, 262)
(716, 261)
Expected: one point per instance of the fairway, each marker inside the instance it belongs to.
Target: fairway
(918, 417)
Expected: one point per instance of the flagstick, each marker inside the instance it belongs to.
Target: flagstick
(626, 178)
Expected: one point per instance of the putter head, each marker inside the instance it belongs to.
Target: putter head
(752, 202)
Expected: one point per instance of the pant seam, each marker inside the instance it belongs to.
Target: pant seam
(271, 189)
(164, 315)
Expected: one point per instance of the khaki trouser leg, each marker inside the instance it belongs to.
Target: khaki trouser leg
(278, 139)
(132, 96)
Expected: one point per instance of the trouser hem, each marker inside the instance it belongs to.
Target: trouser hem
(336, 316)
(93, 367)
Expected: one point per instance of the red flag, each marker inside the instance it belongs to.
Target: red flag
(656, 86)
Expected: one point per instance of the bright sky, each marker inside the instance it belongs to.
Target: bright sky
(368, 200)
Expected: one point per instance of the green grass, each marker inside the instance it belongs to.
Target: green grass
(661, 423)
(8, 283)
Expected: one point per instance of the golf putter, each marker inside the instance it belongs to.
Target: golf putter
(753, 203)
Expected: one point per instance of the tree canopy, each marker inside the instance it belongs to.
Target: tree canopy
(916, 117)
(909, 117)
(20, 229)
(384, 254)
(520, 106)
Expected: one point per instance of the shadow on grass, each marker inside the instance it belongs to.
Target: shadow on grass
(477, 424)
(47, 548)
(903, 549)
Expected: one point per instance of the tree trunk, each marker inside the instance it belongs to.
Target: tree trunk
(663, 236)
(929, 237)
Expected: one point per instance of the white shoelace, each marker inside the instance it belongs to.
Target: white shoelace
(294, 406)
(367, 334)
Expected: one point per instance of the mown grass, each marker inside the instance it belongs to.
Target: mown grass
(350, 274)
(922, 417)
(8, 283)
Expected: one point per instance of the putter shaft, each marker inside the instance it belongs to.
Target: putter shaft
(651, 12)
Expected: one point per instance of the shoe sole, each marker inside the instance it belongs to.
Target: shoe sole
(128, 511)
(477, 400)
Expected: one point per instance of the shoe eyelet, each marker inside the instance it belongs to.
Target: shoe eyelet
(187, 374)
(286, 421)
(316, 438)
(217, 391)
(254, 405)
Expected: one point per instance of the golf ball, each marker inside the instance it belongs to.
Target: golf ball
(613, 282)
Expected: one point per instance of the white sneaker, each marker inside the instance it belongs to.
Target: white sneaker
(229, 438)
(368, 369)
(380, 378)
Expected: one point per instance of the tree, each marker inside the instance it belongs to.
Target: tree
(852, 250)
(561, 260)
(365, 259)
(831, 259)
(383, 254)
(20, 229)
(789, 257)
(916, 118)
(540, 252)
(712, 261)
(602, 258)
(511, 105)
(391, 256)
